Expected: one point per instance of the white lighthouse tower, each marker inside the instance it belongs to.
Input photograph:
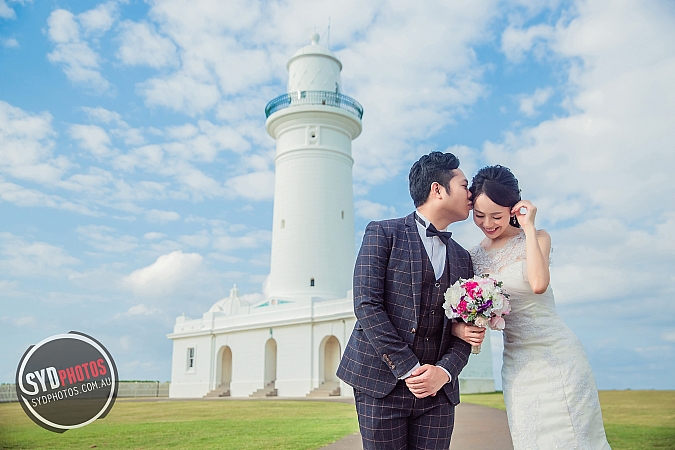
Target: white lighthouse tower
(313, 229)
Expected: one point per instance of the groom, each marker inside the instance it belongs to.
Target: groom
(404, 355)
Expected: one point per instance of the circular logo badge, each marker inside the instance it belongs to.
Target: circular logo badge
(66, 381)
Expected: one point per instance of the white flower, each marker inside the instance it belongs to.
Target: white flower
(481, 321)
(453, 295)
(497, 302)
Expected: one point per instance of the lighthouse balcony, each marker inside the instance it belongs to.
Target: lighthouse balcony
(326, 98)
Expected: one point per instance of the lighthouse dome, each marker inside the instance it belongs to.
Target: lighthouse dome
(314, 68)
(231, 305)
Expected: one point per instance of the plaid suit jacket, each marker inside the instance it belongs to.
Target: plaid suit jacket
(387, 296)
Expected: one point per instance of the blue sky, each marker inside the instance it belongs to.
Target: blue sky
(136, 176)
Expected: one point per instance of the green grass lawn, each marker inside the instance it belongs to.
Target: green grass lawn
(633, 419)
(230, 424)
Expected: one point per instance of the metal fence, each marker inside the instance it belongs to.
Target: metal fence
(314, 98)
(7, 393)
(126, 389)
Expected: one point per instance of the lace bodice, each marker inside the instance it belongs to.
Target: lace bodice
(493, 261)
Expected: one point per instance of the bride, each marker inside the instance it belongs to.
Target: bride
(549, 391)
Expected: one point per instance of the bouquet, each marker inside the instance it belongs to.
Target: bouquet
(480, 300)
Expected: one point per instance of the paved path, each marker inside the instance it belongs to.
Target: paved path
(476, 428)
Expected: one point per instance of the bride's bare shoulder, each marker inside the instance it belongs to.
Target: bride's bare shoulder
(544, 240)
(543, 234)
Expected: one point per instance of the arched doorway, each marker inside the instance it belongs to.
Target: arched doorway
(270, 361)
(330, 358)
(226, 367)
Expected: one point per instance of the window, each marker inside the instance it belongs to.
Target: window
(283, 223)
(191, 358)
(311, 282)
(343, 214)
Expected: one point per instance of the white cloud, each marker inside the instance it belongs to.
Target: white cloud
(142, 46)
(92, 138)
(668, 336)
(530, 103)
(180, 93)
(162, 276)
(139, 310)
(5, 11)
(33, 259)
(158, 216)
(26, 145)
(256, 186)
(99, 20)
(153, 236)
(101, 237)
(103, 115)
(196, 240)
(25, 321)
(20, 196)
(251, 239)
(373, 211)
(80, 62)
(9, 43)
(516, 43)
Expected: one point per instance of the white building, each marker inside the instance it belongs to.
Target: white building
(290, 344)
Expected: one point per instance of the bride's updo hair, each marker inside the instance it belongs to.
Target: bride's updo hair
(499, 185)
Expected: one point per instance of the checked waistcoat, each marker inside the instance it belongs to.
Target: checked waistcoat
(427, 342)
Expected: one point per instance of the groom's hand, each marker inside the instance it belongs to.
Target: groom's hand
(468, 333)
(426, 380)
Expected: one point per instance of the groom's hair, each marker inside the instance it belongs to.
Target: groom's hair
(435, 167)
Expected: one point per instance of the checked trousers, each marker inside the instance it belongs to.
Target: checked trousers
(401, 421)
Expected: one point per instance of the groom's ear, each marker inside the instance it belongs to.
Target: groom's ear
(435, 190)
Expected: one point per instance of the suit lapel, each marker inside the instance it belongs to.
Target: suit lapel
(415, 251)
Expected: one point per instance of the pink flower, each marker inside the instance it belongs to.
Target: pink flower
(472, 289)
(461, 307)
(497, 323)
(505, 309)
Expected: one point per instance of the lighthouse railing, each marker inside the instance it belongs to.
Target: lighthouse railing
(314, 98)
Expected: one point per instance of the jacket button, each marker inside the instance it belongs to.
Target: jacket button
(437, 285)
(413, 330)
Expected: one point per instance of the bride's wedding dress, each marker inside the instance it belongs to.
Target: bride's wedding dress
(549, 390)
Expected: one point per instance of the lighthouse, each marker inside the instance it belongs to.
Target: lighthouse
(313, 229)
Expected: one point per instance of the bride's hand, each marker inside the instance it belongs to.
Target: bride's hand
(527, 219)
(468, 333)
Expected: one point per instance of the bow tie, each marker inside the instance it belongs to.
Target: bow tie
(444, 236)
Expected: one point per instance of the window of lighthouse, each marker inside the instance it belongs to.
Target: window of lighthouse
(283, 223)
(191, 358)
(312, 134)
(343, 214)
(311, 282)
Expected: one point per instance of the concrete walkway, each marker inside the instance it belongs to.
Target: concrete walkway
(476, 428)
